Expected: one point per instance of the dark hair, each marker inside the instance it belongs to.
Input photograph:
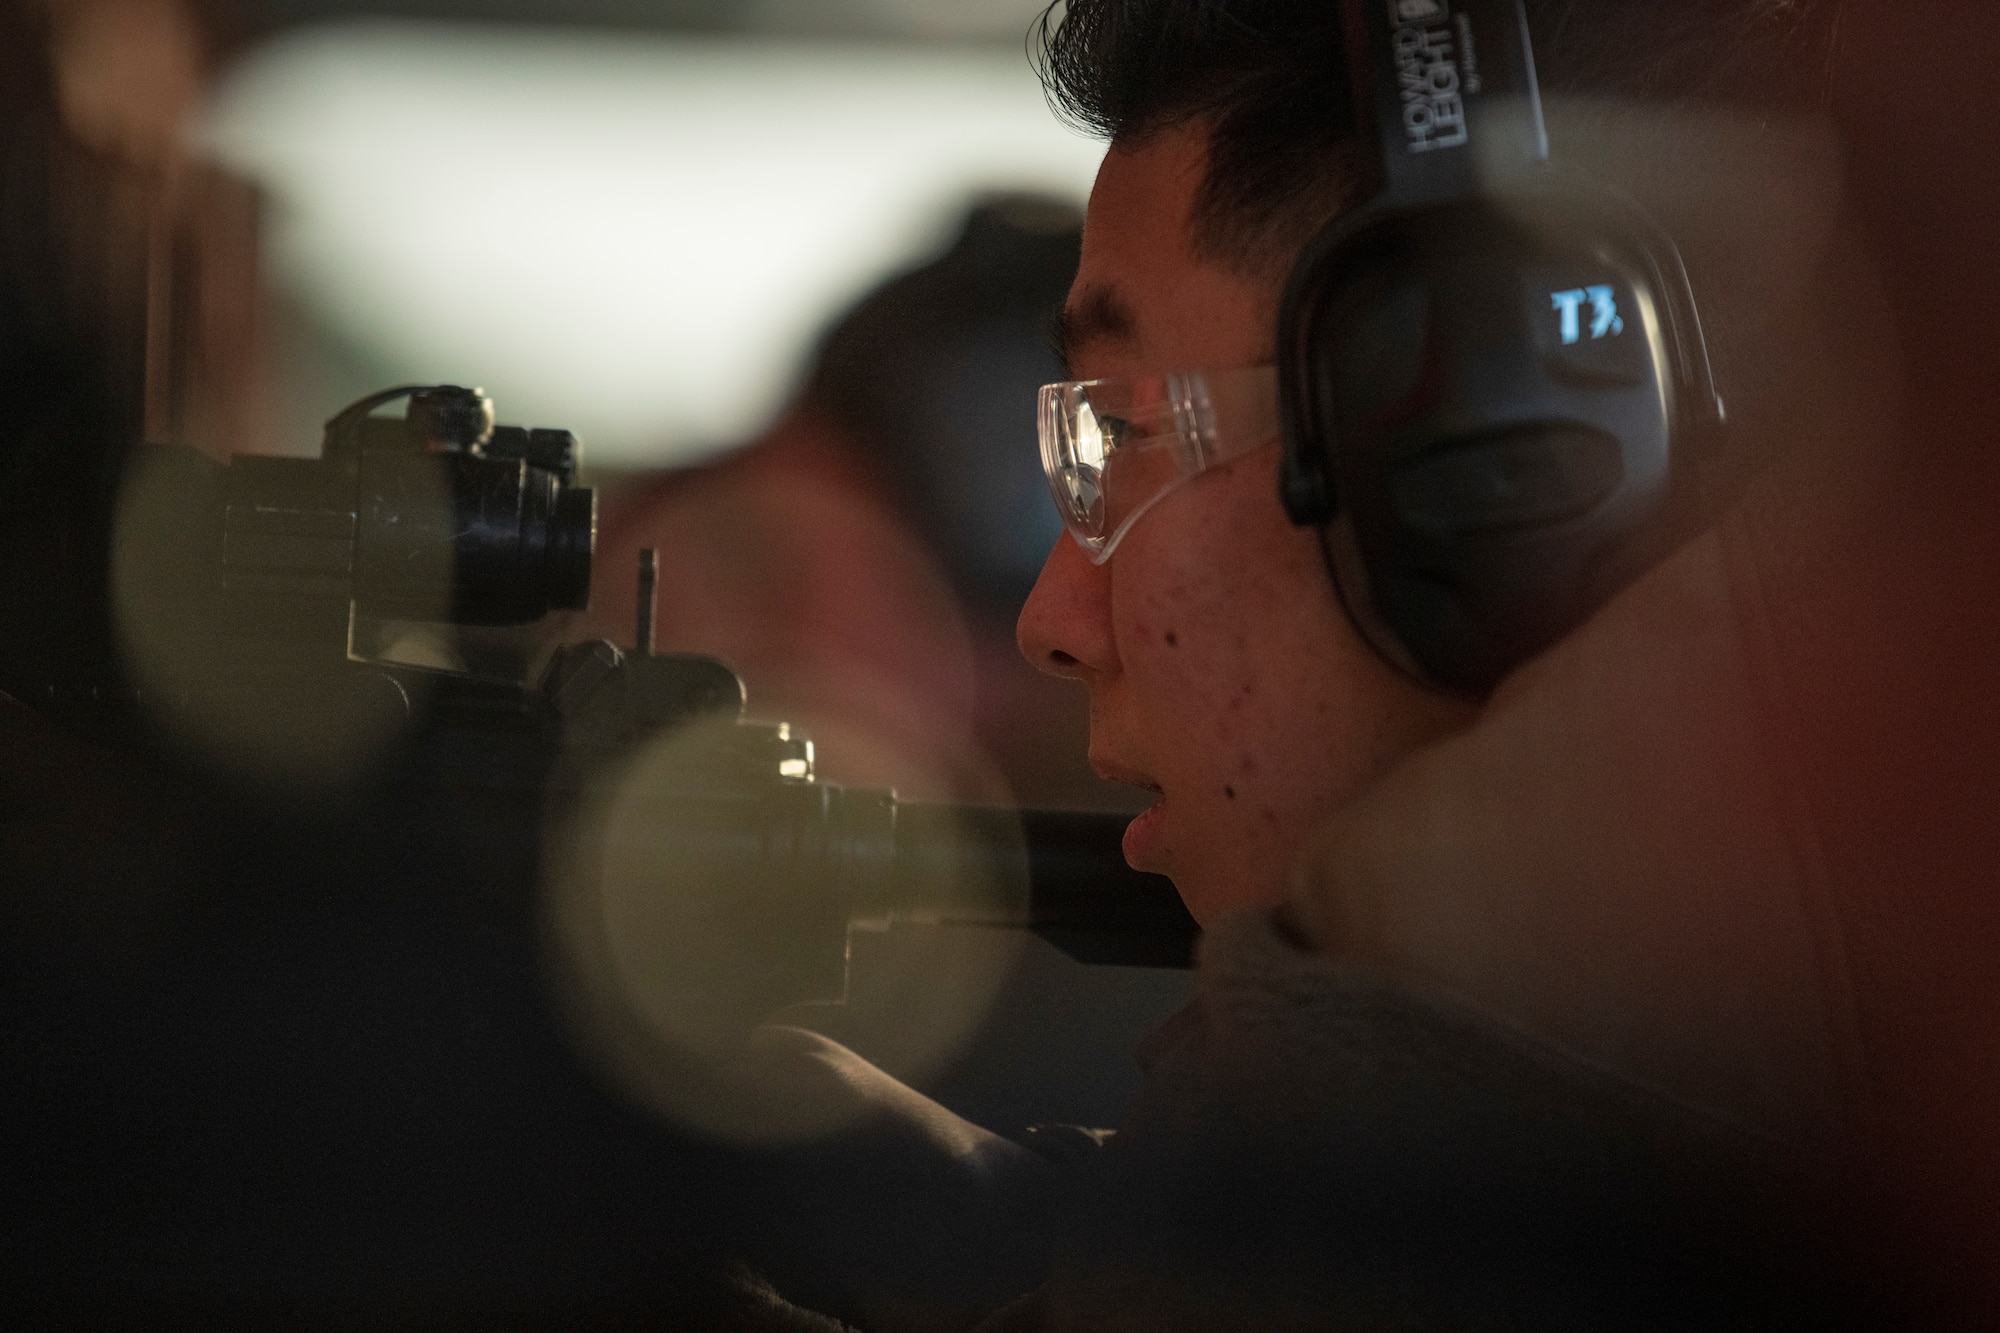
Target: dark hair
(1269, 80)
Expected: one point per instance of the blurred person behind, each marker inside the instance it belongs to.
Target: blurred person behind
(861, 563)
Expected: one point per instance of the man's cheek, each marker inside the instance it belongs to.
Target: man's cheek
(1184, 635)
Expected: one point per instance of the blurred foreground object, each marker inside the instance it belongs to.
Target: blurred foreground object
(1738, 838)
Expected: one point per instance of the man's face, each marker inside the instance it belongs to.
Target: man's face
(1223, 673)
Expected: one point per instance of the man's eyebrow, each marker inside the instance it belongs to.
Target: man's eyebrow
(1100, 313)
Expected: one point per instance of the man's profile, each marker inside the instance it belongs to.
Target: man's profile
(1226, 675)
(1222, 669)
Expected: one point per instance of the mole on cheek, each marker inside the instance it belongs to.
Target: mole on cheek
(1230, 792)
(1173, 639)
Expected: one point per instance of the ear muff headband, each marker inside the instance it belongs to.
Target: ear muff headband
(1486, 372)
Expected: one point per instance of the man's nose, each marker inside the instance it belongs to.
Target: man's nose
(1065, 626)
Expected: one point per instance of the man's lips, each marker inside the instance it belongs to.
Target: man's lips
(1144, 836)
(1113, 771)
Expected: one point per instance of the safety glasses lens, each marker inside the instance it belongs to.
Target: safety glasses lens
(1112, 448)
(1074, 452)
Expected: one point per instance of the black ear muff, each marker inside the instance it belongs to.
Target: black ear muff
(1481, 401)
(1487, 373)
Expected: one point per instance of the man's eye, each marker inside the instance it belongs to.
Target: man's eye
(1115, 431)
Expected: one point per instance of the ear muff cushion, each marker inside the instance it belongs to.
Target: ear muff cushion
(1485, 553)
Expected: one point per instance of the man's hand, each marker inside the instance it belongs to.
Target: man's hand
(901, 1214)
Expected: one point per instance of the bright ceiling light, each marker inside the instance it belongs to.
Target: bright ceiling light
(634, 236)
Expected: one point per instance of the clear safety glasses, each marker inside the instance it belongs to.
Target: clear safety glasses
(1113, 448)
